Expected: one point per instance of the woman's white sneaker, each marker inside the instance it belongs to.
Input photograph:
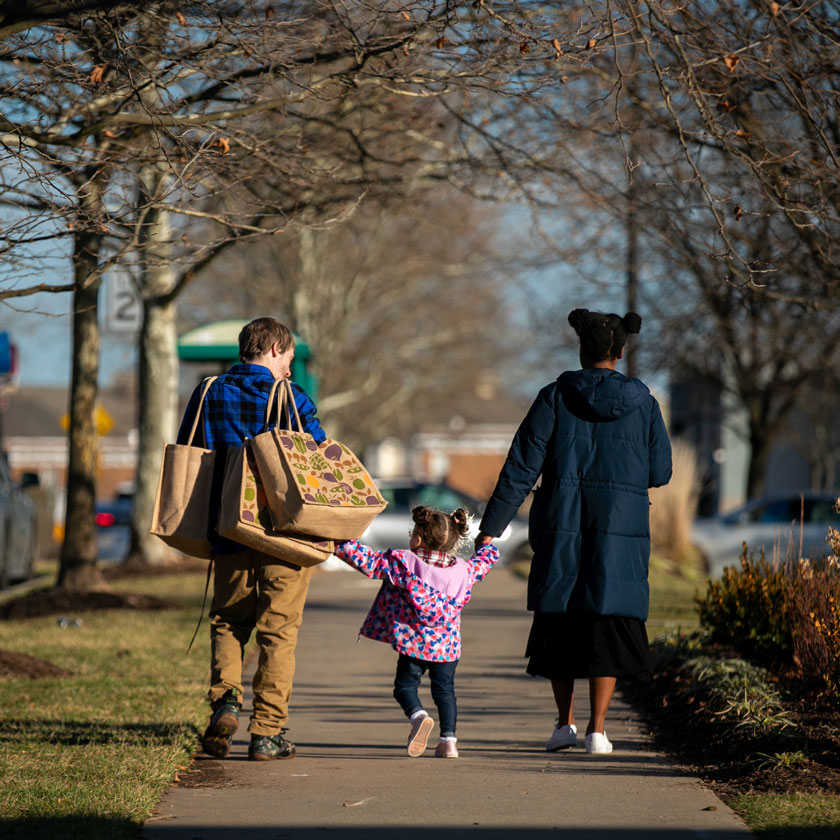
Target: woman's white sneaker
(597, 743)
(562, 738)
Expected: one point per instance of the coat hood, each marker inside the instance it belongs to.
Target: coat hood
(601, 394)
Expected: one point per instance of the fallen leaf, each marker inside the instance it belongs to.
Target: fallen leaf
(731, 61)
(97, 73)
(181, 19)
(356, 804)
(558, 49)
(524, 48)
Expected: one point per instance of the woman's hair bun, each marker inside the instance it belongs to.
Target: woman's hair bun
(461, 520)
(632, 323)
(578, 319)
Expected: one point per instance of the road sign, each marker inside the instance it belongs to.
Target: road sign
(123, 307)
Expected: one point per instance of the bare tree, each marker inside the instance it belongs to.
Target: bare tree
(403, 311)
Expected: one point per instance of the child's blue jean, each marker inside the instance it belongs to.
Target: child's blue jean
(442, 677)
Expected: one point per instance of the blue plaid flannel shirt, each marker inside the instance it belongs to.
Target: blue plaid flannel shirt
(234, 409)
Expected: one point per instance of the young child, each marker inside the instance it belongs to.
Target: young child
(418, 612)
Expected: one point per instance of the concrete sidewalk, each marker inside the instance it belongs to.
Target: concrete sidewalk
(352, 778)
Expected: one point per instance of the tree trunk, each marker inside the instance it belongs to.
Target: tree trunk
(158, 387)
(78, 570)
(759, 453)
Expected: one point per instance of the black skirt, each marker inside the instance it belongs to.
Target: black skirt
(566, 646)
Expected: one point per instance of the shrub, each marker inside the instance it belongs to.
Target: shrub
(749, 609)
(815, 616)
(781, 615)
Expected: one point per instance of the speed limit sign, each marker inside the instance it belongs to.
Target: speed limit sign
(124, 309)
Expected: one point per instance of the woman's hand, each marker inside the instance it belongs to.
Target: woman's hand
(482, 539)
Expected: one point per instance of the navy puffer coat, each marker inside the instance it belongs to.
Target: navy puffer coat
(599, 441)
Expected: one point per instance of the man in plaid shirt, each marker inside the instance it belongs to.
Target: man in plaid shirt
(251, 590)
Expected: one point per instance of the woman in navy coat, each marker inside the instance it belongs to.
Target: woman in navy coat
(598, 440)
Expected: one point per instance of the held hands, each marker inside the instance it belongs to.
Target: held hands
(482, 539)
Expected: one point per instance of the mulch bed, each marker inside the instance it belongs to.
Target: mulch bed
(13, 664)
(682, 722)
(42, 602)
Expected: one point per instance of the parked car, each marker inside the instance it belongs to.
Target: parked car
(391, 528)
(771, 523)
(17, 530)
(113, 531)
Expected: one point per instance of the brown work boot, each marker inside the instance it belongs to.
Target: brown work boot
(270, 747)
(223, 724)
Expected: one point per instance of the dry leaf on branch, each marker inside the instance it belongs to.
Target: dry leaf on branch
(775, 8)
(744, 135)
(406, 15)
(97, 73)
(726, 106)
(557, 48)
(731, 62)
(441, 41)
(524, 48)
(181, 19)
(269, 12)
(591, 43)
(223, 143)
(738, 212)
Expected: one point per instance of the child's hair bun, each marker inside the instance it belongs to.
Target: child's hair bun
(632, 323)
(578, 319)
(422, 514)
(461, 520)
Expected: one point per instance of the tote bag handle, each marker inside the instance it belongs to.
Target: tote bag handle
(206, 383)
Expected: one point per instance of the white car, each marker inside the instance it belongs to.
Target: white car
(17, 530)
(774, 524)
(391, 528)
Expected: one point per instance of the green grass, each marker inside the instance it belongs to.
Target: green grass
(790, 816)
(90, 755)
(673, 590)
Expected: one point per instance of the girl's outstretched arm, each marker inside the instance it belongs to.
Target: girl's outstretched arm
(483, 560)
(373, 564)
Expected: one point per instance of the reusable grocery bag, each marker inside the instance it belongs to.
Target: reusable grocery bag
(310, 488)
(182, 505)
(244, 516)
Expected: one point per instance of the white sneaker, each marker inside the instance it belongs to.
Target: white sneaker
(597, 743)
(421, 726)
(562, 738)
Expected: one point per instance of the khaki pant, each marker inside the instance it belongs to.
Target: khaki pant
(252, 591)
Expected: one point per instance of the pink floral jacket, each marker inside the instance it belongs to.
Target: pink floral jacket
(418, 608)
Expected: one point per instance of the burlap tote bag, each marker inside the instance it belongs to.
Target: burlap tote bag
(244, 515)
(182, 505)
(310, 488)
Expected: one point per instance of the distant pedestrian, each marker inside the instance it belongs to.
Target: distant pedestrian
(598, 440)
(418, 612)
